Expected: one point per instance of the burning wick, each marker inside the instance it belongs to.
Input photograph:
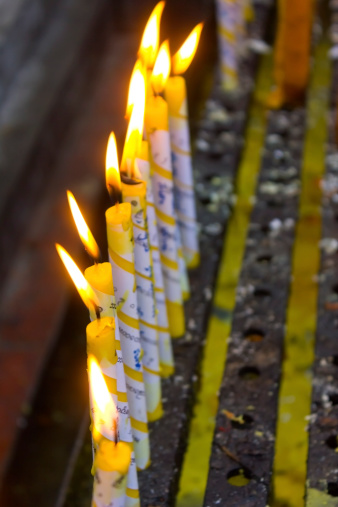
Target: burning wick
(85, 234)
(87, 294)
(113, 180)
(161, 69)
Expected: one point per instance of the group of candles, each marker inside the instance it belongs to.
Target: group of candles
(136, 299)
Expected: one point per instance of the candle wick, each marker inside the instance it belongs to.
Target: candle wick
(97, 311)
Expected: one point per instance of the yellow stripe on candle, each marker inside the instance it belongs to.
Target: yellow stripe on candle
(139, 425)
(111, 384)
(133, 493)
(230, 71)
(129, 321)
(178, 150)
(122, 396)
(228, 35)
(135, 375)
(165, 218)
(148, 370)
(122, 263)
(162, 172)
(143, 276)
(169, 263)
(159, 289)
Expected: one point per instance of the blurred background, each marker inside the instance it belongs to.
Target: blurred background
(64, 72)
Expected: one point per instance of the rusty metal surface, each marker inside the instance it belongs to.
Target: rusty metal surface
(245, 427)
(322, 484)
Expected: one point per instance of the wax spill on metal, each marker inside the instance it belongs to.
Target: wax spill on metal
(196, 464)
(295, 393)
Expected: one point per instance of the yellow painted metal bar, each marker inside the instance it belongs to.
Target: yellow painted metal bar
(295, 394)
(196, 464)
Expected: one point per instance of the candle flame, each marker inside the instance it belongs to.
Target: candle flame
(161, 69)
(84, 232)
(86, 292)
(184, 56)
(104, 409)
(151, 36)
(133, 140)
(113, 180)
(135, 83)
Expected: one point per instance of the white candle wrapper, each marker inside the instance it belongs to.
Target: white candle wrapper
(125, 293)
(156, 120)
(227, 18)
(182, 168)
(163, 190)
(165, 345)
(145, 299)
(109, 489)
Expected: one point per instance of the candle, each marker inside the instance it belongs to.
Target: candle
(165, 346)
(121, 255)
(134, 192)
(102, 344)
(292, 60)
(112, 459)
(227, 13)
(176, 97)
(156, 121)
(100, 278)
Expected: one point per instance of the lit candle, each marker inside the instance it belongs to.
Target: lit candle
(176, 97)
(134, 192)
(99, 341)
(112, 459)
(121, 256)
(156, 122)
(102, 344)
(165, 345)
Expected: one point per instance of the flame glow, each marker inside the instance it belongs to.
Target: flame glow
(161, 69)
(113, 180)
(104, 409)
(133, 140)
(86, 292)
(135, 82)
(184, 56)
(84, 232)
(151, 36)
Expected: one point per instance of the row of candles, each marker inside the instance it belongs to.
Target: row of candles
(136, 299)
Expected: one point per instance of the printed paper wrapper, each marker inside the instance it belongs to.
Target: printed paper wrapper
(165, 346)
(146, 302)
(110, 361)
(122, 262)
(227, 19)
(182, 169)
(163, 189)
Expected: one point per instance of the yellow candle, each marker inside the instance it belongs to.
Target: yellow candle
(112, 461)
(135, 194)
(110, 474)
(100, 279)
(292, 52)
